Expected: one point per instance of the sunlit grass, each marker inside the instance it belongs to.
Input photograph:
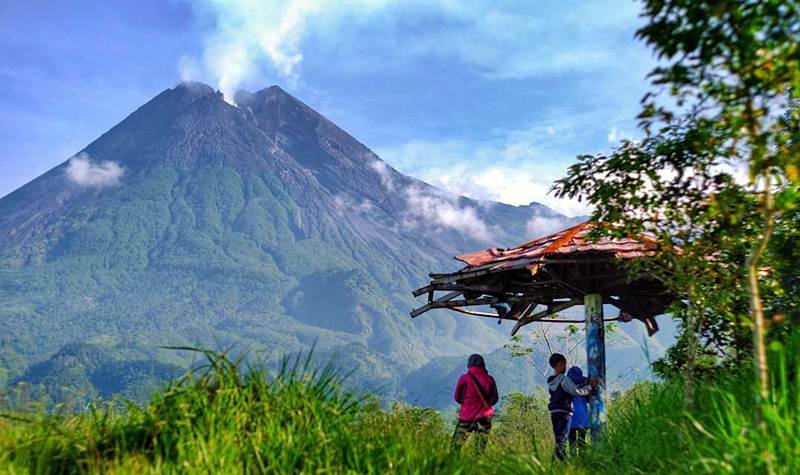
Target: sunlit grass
(229, 417)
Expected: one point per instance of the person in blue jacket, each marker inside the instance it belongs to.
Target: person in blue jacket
(579, 423)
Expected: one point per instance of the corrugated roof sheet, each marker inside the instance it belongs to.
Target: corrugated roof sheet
(569, 241)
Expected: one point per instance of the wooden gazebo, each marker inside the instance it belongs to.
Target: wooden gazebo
(536, 280)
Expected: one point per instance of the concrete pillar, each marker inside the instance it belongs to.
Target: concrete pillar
(596, 362)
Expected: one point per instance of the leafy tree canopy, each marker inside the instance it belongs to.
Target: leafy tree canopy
(716, 174)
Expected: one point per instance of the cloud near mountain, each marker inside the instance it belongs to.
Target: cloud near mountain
(82, 171)
(444, 211)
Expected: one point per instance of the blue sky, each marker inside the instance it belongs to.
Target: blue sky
(490, 99)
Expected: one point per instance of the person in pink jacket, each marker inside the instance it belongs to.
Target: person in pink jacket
(476, 392)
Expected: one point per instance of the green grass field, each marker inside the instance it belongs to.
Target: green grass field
(228, 418)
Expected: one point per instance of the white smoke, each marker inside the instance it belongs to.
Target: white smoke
(247, 32)
(82, 171)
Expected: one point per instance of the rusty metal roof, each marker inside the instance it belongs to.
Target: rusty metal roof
(554, 271)
(569, 241)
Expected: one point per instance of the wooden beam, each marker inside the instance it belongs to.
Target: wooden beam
(422, 290)
(479, 314)
(649, 323)
(446, 278)
(433, 303)
(450, 304)
(520, 309)
(544, 313)
(455, 286)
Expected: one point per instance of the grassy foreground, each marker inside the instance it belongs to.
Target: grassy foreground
(231, 419)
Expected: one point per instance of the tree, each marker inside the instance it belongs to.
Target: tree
(721, 104)
(666, 185)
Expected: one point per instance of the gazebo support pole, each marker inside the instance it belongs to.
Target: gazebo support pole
(596, 362)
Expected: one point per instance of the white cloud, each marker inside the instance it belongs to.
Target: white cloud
(424, 206)
(539, 226)
(385, 173)
(518, 167)
(520, 186)
(345, 204)
(522, 41)
(616, 134)
(442, 210)
(82, 171)
(613, 135)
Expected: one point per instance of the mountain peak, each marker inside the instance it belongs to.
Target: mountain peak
(186, 92)
(193, 89)
(268, 98)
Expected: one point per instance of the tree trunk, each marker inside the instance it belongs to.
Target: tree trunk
(691, 350)
(757, 309)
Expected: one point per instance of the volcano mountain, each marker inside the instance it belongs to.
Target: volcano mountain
(258, 226)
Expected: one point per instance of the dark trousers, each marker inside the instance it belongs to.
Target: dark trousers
(560, 431)
(577, 437)
(480, 427)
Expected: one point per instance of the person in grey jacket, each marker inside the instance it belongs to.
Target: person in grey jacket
(562, 390)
